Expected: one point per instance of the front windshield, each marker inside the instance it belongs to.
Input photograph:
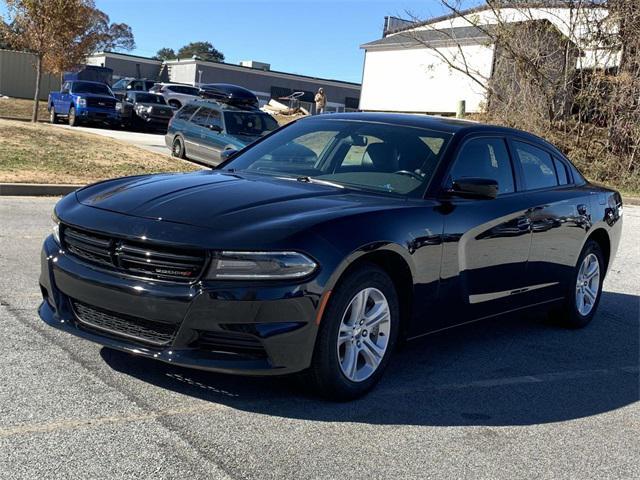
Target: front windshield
(150, 98)
(96, 88)
(252, 124)
(370, 156)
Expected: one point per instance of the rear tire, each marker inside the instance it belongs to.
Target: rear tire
(348, 331)
(73, 119)
(177, 148)
(585, 289)
(175, 104)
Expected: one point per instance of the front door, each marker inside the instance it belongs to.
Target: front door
(486, 242)
(201, 136)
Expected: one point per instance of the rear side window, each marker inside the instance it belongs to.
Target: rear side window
(186, 112)
(206, 117)
(485, 158)
(561, 170)
(537, 166)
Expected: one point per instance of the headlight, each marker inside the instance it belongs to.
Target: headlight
(119, 106)
(149, 109)
(55, 227)
(260, 266)
(82, 102)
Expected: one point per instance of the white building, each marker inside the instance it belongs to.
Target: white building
(410, 68)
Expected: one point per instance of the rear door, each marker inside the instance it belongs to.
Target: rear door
(559, 213)
(486, 242)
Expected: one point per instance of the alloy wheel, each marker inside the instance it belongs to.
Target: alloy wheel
(588, 284)
(364, 334)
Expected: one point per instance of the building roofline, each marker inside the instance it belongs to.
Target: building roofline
(125, 55)
(273, 73)
(482, 8)
(232, 66)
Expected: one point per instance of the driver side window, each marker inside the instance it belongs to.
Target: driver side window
(485, 158)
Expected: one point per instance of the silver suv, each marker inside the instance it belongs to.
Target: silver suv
(176, 94)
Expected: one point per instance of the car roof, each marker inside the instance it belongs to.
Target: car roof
(442, 124)
(222, 106)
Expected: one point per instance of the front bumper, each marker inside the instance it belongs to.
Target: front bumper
(98, 114)
(276, 322)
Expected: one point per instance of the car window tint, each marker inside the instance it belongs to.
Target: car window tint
(186, 112)
(120, 84)
(214, 118)
(561, 170)
(357, 153)
(201, 117)
(537, 166)
(485, 158)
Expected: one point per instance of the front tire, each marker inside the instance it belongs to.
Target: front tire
(175, 103)
(357, 335)
(585, 289)
(177, 148)
(73, 119)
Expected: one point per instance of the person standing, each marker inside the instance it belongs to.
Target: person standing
(321, 101)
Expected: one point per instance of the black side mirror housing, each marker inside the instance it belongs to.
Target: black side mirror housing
(228, 153)
(479, 188)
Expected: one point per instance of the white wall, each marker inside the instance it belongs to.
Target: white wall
(578, 28)
(418, 80)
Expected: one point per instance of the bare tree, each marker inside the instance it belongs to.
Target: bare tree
(570, 73)
(61, 33)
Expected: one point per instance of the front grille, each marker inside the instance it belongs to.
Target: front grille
(146, 331)
(230, 342)
(134, 258)
(101, 102)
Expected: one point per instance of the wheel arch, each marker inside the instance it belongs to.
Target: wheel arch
(396, 263)
(601, 237)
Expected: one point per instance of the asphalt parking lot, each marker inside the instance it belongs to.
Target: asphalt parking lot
(513, 397)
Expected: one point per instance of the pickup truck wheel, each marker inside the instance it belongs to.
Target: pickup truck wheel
(73, 120)
(53, 117)
(177, 149)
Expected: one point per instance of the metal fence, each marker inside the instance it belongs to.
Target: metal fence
(18, 76)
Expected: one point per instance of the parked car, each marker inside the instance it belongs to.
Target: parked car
(393, 226)
(176, 94)
(202, 130)
(144, 110)
(124, 85)
(83, 101)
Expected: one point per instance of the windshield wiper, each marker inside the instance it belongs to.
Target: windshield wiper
(307, 179)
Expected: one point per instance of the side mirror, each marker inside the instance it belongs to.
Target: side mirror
(480, 188)
(228, 153)
(214, 128)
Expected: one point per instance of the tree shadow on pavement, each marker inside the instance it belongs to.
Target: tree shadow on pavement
(511, 370)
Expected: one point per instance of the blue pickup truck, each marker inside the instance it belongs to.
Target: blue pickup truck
(82, 101)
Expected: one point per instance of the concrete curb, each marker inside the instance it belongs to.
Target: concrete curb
(36, 189)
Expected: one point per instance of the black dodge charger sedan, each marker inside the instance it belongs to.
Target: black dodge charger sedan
(318, 247)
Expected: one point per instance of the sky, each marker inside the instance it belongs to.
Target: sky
(317, 38)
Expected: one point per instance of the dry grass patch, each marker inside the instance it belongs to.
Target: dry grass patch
(19, 108)
(40, 153)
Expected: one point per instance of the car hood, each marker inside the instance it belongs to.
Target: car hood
(95, 95)
(226, 201)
